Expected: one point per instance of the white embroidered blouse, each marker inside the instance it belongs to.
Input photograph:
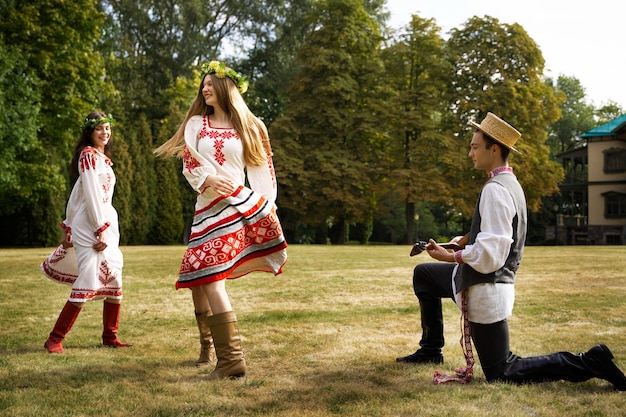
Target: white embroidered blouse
(219, 151)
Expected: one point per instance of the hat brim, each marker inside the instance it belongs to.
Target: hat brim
(477, 126)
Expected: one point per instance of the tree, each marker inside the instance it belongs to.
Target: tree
(175, 199)
(270, 62)
(124, 173)
(169, 225)
(19, 148)
(153, 42)
(607, 112)
(143, 199)
(498, 68)
(58, 78)
(577, 116)
(418, 73)
(329, 141)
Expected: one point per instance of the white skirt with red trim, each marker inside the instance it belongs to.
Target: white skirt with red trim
(101, 275)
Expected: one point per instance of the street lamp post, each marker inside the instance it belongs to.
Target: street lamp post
(416, 217)
(556, 224)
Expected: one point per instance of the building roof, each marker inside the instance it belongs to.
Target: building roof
(607, 129)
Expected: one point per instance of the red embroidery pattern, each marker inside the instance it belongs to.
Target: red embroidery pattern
(58, 255)
(101, 229)
(218, 144)
(106, 188)
(223, 249)
(56, 272)
(87, 159)
(87, 294)
(106, 274)
(270, 165)
(189, 161)
(463, 375)
(218, 136)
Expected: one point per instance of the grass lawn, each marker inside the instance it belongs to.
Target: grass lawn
(319, 340)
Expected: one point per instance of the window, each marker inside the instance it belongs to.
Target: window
(614, 204)
(612, 239)
(614, 160)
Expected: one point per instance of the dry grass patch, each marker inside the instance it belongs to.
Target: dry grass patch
(320, 340)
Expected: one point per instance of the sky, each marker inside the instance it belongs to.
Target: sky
(581, 39)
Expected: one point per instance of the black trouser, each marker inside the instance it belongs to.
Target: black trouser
(499, 364)
(432, 281)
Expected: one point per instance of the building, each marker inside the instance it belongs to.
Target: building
(592, 209)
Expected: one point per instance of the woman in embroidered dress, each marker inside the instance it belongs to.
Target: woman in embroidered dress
(89, 259)
(235, 230)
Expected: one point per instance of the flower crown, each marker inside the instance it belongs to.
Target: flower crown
(95, 122)
(221, 70)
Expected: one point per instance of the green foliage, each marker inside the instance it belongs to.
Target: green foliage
(175, 199)
(153, 42)
(19, 148)
(577, 116)
(363, 135)
(143, 198)
(51, 78)
(124, 173)
(328, 123)
(418, 71)
(609, 111)
(498, 68)
(270, 62)
(168, 226)
(57, 41)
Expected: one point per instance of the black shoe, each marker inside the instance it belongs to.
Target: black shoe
(422, 356)
(599, 359)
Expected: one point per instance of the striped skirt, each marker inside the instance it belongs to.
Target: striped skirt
(230, 237)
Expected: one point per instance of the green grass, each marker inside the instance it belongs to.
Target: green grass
(320, 339)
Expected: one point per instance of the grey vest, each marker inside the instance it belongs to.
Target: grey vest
(466, 275)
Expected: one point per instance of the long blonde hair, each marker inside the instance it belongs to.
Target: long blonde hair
(251, 130)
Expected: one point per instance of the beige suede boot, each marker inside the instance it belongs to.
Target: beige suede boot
(207, 350)
(230, 361)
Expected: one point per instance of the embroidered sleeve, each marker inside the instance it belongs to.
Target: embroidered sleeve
(189, 162)
(195, 167)
(102, 229)
(65, 226)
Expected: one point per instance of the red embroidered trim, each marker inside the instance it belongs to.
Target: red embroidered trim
(226, 248)
(102, 229)
(463, 375)
(500, 170)
(87, 294)
(458, 258)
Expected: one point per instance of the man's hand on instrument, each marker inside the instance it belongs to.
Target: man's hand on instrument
(439, 252)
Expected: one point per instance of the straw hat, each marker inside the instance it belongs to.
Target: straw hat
(499, 130)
